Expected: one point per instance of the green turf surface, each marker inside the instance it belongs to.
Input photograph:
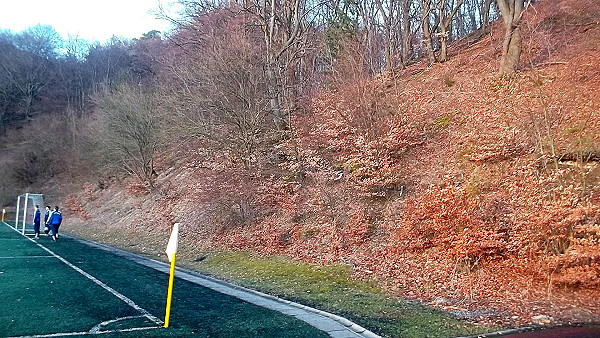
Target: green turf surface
(42, 295)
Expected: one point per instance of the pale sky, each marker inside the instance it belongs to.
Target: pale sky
(95, 20)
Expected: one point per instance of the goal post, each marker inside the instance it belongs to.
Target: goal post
(25, 211)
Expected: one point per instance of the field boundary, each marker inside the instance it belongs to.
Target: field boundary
(332, 324)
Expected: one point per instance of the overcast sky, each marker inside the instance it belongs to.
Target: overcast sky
(95, 20)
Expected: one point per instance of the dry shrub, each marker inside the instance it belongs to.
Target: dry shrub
(360, 133)
(137, 188)
(356, 230)
(74, 206)
(571, 244)
(447, 218)
(88, 191)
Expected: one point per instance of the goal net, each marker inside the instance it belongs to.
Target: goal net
(26, 204)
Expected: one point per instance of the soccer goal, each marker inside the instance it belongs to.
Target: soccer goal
(25, 211)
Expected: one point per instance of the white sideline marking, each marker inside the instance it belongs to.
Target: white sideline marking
(63, 334)
(97, 281)
(15, 257)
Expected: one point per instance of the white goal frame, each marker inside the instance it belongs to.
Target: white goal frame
(27, 210)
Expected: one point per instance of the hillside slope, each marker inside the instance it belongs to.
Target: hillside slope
(446, 184)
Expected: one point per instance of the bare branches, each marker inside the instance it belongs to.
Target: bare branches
(129, 133)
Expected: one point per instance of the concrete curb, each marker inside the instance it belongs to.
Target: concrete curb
(505, 332)
(544, 331)
(335, 326)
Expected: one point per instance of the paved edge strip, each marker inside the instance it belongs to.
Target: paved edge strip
(332, 324)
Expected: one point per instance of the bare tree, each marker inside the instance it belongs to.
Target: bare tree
(284, 27)
(27, 66)
(445, 21)
(391, 19)
(108, 63)
(214, 79)
(129, 131)
(40, 40)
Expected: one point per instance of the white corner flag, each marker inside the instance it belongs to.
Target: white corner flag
(171, 253)
(172, 245)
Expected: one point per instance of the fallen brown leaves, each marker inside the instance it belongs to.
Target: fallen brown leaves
(442, 182)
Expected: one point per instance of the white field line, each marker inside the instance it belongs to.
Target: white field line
(15, 257)
(97, 329)
(65, 334)
(97, 281)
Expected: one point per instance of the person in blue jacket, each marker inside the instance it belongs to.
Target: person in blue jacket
(37, 215)
(46, 216)
(54, 221)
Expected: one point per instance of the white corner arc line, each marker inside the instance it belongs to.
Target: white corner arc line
(100, 283)
(97, 329)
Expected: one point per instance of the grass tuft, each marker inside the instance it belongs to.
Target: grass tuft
(335, 289)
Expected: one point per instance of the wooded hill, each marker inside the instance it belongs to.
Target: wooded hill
(443, 182)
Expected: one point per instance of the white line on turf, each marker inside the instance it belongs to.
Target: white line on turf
(100, 283)
(64, 334)
(15, 257)
(97, 328)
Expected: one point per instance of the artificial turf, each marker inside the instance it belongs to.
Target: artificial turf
(42, 295)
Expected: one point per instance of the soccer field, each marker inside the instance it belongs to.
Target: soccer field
(67, 288)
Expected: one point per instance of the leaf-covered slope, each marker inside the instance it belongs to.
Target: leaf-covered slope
(443, 183)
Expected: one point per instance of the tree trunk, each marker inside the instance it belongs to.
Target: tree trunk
(29, 97)
(274, 99)
(406, 45)
(443, 35)
(427, 31)
(443, 45)
(445, 22)
(388, 29)
(485, 12)
(511, 51)
(511, 11)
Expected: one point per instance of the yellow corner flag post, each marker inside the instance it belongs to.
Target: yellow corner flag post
(171, 253)
(3, 212)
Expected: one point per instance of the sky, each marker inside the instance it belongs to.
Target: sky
(93, 20)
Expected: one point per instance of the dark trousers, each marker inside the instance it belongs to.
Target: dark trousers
(53, 229)
(36, 227)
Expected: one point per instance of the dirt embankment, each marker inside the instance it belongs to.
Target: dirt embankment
(462, 189)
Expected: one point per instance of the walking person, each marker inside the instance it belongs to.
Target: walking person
(37, 215)
(54, 221)
(46, 216)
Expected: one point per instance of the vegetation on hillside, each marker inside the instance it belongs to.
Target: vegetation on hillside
(443, 182)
